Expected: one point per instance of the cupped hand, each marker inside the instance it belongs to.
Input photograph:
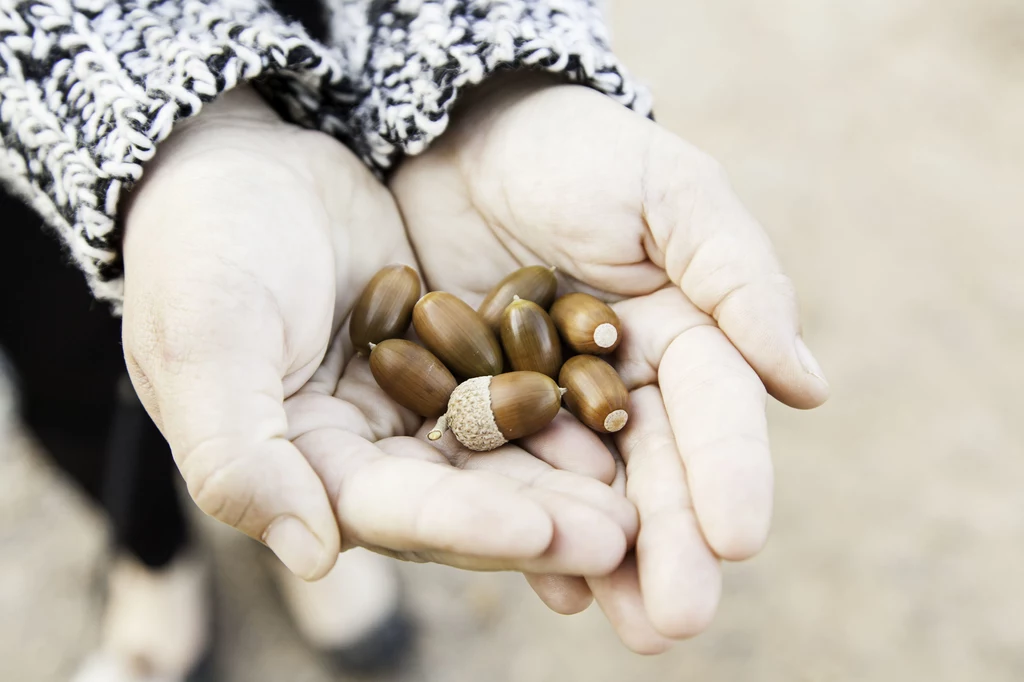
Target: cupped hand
(246, 246)
(535, 172)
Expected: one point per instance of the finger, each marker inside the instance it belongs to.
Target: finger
(716, 406)
(618, 595)
(515, 463)
(724, 262)
(585, 542)
(680, 577)
(591, 524)
(411, 505)
(215, 382)
(519, 465)
(568, 445)
(619, 482)
(649, 324)
(564, 594)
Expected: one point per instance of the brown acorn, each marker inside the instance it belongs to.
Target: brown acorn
(486, 412)
(529, 338)
(535, 283)
(385, 307)
(587, 324)
(595, 393)
(412, 376)
(453, 332)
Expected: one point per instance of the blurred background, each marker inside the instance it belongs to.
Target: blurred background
(881, 142)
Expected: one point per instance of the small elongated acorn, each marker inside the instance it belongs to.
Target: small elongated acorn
(484, 413)
(529, 338)
(595, 393)
(587, 324)
(384, 308)
(535, 283)
(412, 376)
(453, 331)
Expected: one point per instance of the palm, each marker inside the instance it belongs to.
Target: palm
(235, 325)
(559, 175)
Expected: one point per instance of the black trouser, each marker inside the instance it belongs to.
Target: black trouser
(74, 393)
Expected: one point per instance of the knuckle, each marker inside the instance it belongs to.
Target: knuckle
(217, 484)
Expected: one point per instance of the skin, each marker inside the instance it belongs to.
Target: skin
(534, 172)
(246, 246)
(234, 332)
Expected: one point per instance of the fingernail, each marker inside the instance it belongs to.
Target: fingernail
(810, 365)
(295, 545)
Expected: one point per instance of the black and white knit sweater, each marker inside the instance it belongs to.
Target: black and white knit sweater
(89, 88)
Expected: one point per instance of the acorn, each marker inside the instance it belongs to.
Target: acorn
(595, 393)
(587, 324)
(384, 308)
(535, 283)
(412, 376)
(484, 413)
(453, 332)
(529, 338)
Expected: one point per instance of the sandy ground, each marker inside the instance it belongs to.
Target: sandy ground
(881, 143)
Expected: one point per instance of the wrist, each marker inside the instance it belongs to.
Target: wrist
(234, 115)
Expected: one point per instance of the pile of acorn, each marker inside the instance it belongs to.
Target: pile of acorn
(489, 408)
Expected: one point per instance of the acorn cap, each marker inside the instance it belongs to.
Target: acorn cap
(484, 413)
(470, 417)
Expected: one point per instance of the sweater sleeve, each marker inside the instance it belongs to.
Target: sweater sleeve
(88, 88)
(410, 59)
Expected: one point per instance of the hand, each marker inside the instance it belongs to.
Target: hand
(246, 246)
(532, 172)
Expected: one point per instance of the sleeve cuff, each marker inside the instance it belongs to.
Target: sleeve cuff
(88, 89)
(422, 53)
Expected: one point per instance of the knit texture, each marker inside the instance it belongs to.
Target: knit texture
(470, 417)
(89, 88)
(411, 59)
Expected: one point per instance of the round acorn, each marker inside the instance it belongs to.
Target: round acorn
(454, 332)
(535, 283)
(587, 324)
(595, 393)
(484, 413)
(529, 338)
(384, 308)
(412, 376)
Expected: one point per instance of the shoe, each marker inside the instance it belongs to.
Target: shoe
(156, 624)
(354, 614)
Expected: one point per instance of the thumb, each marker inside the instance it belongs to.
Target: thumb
(208, 364)
(724, 262)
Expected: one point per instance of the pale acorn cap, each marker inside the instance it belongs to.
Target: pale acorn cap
(606, 335)
(615, 421)
(470, 416)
